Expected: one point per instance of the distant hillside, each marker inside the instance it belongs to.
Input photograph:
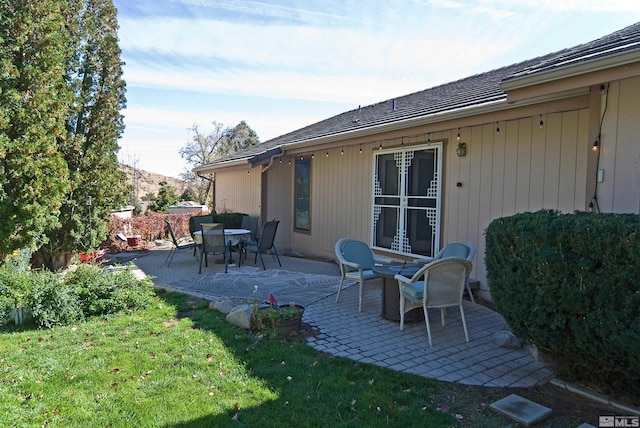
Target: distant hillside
(144, 182)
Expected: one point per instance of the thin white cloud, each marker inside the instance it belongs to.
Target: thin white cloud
(558, 5)
(298, 63)
(302, 12)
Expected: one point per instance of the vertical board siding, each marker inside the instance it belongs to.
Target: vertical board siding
(568, 160)
(626, 178)
(523, 164)
(536, 179)
(497, 184)
(523, 168)
(463, 192)
(583, 151)
(475, 167)
(552, 162)
(238, 191)
(279, 200)
(510, 185)
(605, 191)
(341, 200)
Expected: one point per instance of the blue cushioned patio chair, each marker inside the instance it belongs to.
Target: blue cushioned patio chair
(462, 249)
(439, 284)
(356, 260)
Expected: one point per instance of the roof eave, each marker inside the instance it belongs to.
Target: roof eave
(570, 71)
(224, 164)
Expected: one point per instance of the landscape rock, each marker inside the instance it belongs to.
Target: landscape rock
(240, 316)
(506, 339)
(222, 305)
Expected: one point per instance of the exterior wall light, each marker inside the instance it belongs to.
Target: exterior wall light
(461, 150)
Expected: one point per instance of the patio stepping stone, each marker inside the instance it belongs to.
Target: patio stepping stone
(521, 410)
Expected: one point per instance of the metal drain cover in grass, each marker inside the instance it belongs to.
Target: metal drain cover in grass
(521, 410)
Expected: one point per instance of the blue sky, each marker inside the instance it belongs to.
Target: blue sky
(282, 65)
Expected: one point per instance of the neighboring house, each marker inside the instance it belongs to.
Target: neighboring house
(188, 207)
(123, 212)
(410, 174)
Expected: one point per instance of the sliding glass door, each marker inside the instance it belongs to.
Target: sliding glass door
(406, 200)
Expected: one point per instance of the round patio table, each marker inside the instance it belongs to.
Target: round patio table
(391, 291)
(236, 236)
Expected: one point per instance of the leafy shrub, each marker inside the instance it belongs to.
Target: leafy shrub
(15, 285)
(88, 291)
(101, 294)
(569, 283)
(55, 302)
(5, 308)
(21, 259)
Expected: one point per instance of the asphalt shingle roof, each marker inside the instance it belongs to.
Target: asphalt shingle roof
(480, 89)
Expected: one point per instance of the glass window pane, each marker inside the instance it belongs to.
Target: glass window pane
(421, 172)
(302, 194)
(388, 174)
(386, 227)
(419, 231)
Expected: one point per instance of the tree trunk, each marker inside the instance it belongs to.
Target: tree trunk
(53, 262)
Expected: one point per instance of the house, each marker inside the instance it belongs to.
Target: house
(410, 174)
(124, 212)
(188, 207)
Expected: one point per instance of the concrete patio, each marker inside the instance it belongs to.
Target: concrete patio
(367, 337)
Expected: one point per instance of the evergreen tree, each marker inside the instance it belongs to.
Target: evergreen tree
(33, 100)
(166, 196)
(93, 126)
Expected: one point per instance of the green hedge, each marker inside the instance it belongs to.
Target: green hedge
(229, 219)
(570, 284)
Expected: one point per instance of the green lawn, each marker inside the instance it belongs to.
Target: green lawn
(179, 364)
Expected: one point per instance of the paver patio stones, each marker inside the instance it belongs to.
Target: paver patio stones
(366, 337)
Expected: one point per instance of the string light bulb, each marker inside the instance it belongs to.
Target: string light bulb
(360, 148)
(380, 146)
(327, 155)
(341, 151)
(541, 122)
(596, 145)
(429, 138)
(497, 128)
(458, 137)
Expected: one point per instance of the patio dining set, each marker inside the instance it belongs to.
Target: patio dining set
(409, 289)
(209, 238)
